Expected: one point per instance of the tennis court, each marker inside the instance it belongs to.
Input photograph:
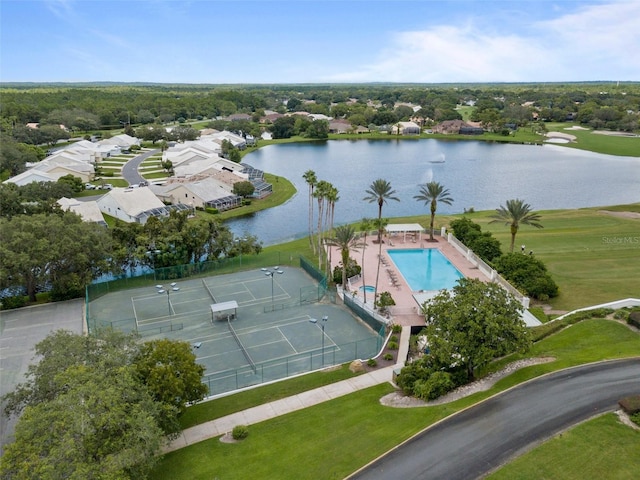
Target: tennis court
(246, 327)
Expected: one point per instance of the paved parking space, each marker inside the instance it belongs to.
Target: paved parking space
(22, 329)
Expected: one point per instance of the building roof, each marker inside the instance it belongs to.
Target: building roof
(88, 211)
(133, 201)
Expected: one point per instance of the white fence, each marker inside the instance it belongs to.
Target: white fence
(486, 270)
(627, 302)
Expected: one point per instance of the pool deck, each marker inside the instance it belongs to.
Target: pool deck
(406, 311)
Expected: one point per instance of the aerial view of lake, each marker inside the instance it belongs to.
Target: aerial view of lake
(481, 175)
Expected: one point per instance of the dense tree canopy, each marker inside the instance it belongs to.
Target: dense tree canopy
(58, 250)
(472, 324)
(98, 406)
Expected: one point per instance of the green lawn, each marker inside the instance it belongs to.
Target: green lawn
(337, 437)
(600, 448)
(594, 257)
(593, 142)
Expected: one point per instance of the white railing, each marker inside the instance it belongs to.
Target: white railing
(627, 302)
(365, 306)
(489, 272)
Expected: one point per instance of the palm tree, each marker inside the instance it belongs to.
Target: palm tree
(432, 193)
(379, 191)
(516, 213)
(320, 194)
(365, 226)
(331, 198)
(311, 179)
(345, 239)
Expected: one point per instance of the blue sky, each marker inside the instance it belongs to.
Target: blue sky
(328, 41)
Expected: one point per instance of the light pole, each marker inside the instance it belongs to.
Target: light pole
(172, 288)
(271, 273)
(324, 321)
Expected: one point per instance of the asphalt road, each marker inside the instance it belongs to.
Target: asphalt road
(476, 441)
(130, 169)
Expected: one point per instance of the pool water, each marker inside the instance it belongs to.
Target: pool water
(368, 288)
(425, 268)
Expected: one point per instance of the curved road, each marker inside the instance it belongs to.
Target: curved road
(130, 169)
(476, 441)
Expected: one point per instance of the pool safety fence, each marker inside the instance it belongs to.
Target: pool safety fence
(373, 319)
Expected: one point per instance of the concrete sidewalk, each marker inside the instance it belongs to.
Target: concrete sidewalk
(267, 411)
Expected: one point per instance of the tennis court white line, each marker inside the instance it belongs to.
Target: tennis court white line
(287, 339)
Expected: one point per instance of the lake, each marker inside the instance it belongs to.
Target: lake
(481, 175)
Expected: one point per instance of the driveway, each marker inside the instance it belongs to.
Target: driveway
(476, 441)
(130, 169)
(21, 330)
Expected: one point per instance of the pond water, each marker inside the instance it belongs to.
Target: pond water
(481, 175)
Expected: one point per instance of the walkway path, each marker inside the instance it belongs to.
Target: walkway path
(267, 411)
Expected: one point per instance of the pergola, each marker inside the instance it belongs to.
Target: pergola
(217, 308)
(404, 228)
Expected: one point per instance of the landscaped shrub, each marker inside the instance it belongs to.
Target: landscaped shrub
(393, 338)
(634, 319)
(392, 345)
(240, 432)
(353, 269)
(528, 274)
(16, 301)
(372, 362)
(635, 419)
(387, 356)
(435, 386)
(213, 211)
(395, 328)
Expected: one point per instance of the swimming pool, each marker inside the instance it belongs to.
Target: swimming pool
(425, 268)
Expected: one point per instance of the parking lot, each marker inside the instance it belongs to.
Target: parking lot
(21, 330)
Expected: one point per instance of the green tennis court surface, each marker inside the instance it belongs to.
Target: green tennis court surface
(269, 335)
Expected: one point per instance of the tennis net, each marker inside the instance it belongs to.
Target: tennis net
(244, 351)
(206, 287)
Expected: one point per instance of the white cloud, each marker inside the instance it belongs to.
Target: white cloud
(600, 42)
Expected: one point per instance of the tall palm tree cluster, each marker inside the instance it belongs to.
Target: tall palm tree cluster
(346, 238)
(326, 196)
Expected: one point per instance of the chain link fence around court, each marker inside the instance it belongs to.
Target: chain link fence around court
(195, 270)
(257, 373)
(253, 372)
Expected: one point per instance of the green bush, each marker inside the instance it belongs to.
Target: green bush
(16, 301)
(634, 319)
(352, 269)
(212, 211)
(372, 362)
(395, 328)
(393, 338)
(528, 274)
(246, 202)
(392, 345)
(387, 356)
(636, 419)
(435, 386)
(240, 432)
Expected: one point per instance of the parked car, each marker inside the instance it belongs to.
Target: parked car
(89, 186)
(107, 186)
